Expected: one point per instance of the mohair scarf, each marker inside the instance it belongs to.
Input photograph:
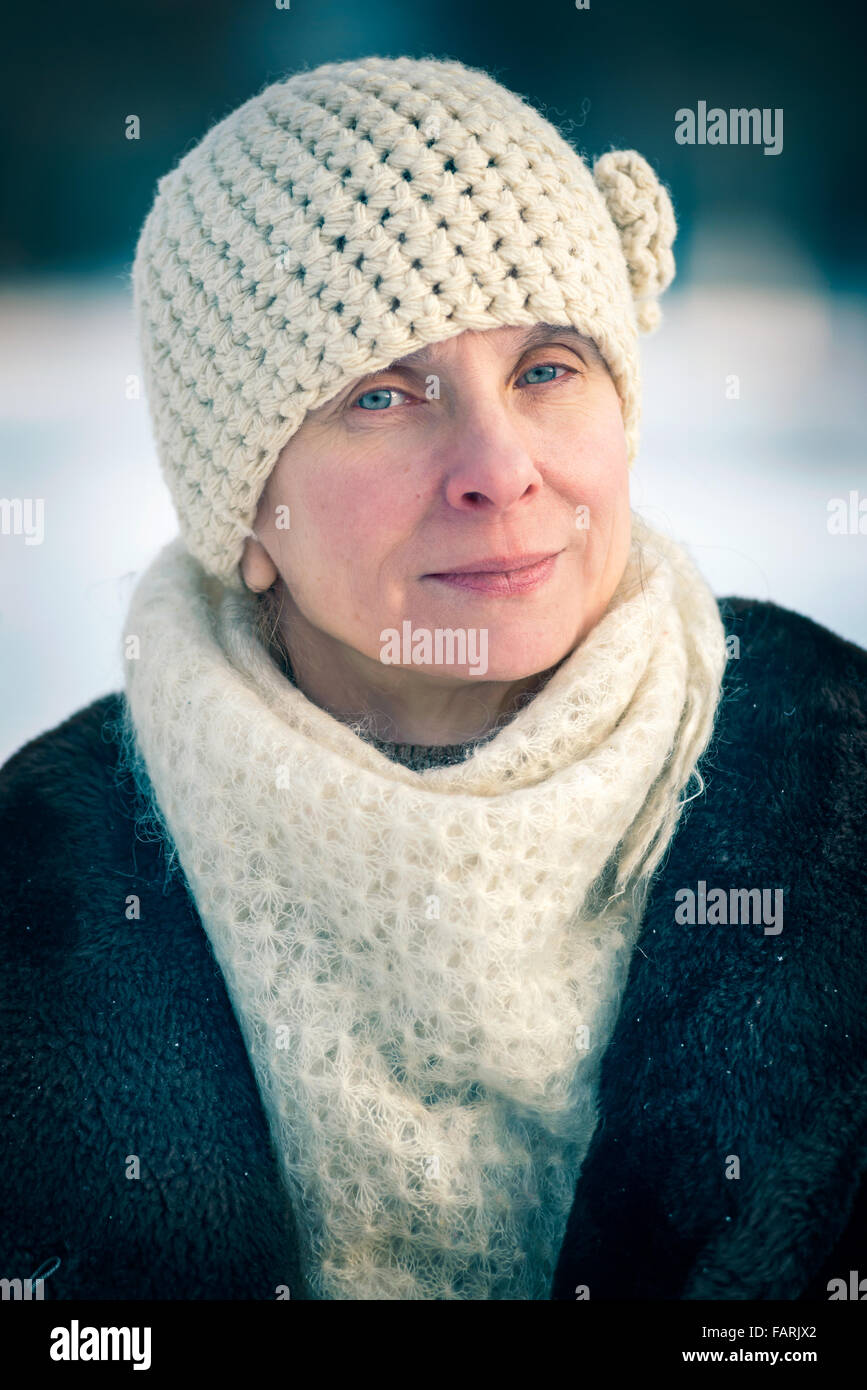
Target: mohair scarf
(426, 966)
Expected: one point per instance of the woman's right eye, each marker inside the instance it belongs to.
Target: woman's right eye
(380, 396)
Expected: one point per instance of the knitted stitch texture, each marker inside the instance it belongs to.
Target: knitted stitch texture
(350, 215)
(426, 966)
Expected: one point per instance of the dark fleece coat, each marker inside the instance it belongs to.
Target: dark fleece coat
(729, 1157)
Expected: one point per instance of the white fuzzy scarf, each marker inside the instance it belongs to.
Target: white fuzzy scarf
(426, 966)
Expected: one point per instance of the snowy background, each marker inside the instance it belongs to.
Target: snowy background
(744, 482)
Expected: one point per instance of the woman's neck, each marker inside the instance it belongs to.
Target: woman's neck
(390, 705)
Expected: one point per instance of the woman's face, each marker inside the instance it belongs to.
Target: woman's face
(492, 444)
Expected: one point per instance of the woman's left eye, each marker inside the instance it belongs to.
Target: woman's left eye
(544, 367)
(380, 395)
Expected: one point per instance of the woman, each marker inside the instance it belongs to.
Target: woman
(361, 949)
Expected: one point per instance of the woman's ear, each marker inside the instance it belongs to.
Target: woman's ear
(257, 568)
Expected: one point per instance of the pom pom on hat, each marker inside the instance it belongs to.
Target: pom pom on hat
(641, 209)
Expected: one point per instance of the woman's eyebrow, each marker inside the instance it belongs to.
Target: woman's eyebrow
(541, 332)
(537, 333)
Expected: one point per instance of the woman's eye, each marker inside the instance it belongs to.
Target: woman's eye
(379, 397)
(543, 367)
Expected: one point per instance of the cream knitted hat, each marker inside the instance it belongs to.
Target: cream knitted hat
(353, 214)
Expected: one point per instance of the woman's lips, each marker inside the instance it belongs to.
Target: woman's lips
(503, 583)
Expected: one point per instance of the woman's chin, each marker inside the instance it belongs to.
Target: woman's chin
(492, 653)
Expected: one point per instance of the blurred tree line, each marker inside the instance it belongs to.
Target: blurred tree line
(76, 190)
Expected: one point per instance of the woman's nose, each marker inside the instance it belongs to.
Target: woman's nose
(488, 462)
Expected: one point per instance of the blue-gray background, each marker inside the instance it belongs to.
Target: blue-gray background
(771, 284)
